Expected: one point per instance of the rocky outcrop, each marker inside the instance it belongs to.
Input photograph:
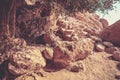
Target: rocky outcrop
(83, 25)
(74, 50)
(37, 20)
(82, 49)
(54, 42)
(111, 33)
(65, 52)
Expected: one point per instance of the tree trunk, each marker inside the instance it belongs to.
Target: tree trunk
(7, 19)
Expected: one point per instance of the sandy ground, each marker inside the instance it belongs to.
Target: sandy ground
(98, 66)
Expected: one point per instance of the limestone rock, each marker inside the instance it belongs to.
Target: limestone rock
(100, 47)
(116, 55)
(93, 26)
(83, 25)
(74, 50)
(111, 33)
(73, 28)
(59, 61)
(24, 60)
(82, 49)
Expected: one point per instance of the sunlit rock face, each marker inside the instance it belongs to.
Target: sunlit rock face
(25, 59)
(69, 37)
(58, 42)
(82, 25)
(111, 33)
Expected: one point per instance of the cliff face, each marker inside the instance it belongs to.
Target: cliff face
(48, 40)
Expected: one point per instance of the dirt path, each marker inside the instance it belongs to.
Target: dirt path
(97, 67)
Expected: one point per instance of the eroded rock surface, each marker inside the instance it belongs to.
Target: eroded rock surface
(54, 43)
(25, 59)
(111, 33)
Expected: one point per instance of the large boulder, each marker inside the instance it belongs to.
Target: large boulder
(82, 49)
(75, 50)
(25, 59)
(112, 33)
(67, 52)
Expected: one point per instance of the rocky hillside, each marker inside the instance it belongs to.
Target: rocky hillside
(51, 46)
